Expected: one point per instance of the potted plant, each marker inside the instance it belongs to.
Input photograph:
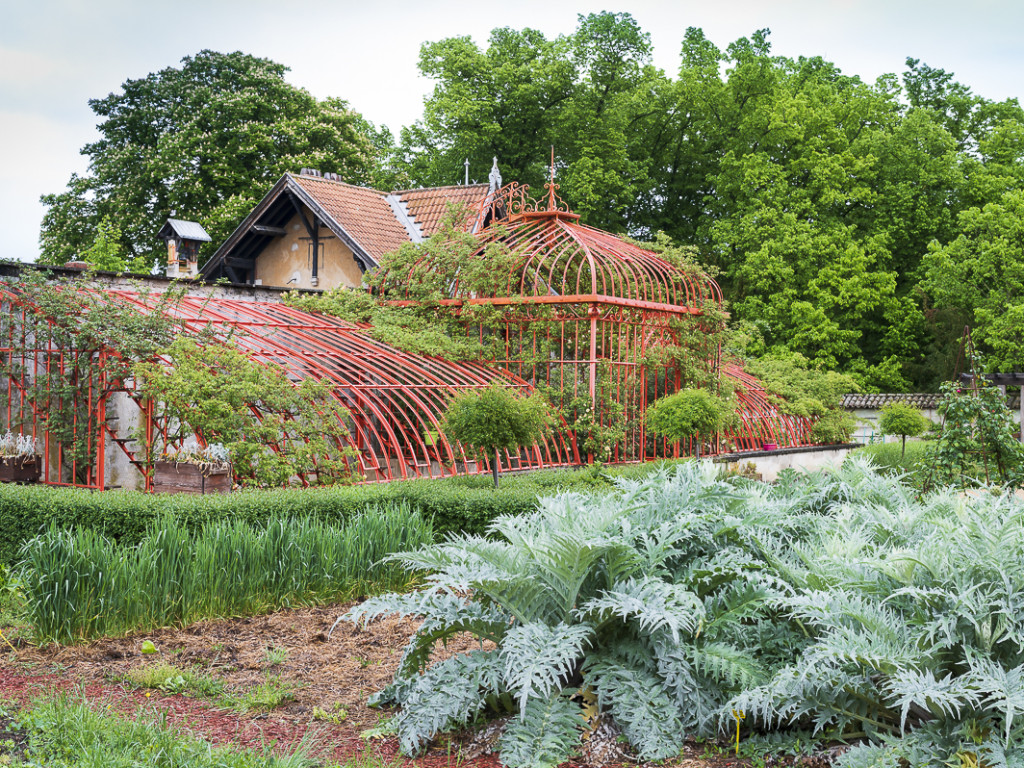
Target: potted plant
(206, 470)
(19, 461)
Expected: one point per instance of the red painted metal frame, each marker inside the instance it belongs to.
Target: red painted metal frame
(26, 358)
(614, 304)
(395, 399)
(585, 313)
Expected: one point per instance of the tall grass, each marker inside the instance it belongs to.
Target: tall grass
(80, 585)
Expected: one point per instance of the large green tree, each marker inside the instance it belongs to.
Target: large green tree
(812, 194)
(203, 141)
(979, 278)
(586, 94)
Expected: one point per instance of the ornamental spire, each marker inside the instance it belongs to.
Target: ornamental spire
(553, 200)
(495, 176)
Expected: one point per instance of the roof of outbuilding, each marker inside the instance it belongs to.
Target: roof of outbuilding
(363, 213)
(186, 230)
(923, 400)
(427, 207)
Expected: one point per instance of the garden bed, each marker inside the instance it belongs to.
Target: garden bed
(328, 680)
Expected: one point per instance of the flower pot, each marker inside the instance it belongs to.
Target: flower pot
(770, 447)
(184, 477)
(20, 469)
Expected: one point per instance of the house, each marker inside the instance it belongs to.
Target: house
(313, 230)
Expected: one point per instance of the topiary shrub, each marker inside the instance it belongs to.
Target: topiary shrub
(689, 413)
(903, 420)
(496, 419)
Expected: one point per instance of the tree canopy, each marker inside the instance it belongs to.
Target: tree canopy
(859, 225)
(203, 141)
(814, 195)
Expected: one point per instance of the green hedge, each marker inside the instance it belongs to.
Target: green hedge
(455, 504)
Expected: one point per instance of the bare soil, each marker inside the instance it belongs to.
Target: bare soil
(330, 674)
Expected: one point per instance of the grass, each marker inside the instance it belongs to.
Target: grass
(79, 585)
(65, 733)
(271, 693)
(888, 457)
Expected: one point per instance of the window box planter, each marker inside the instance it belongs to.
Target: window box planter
(186, 477)
(20, 469)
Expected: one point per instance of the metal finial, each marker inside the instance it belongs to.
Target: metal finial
(467, 171)
(551, 186)
(495, 176)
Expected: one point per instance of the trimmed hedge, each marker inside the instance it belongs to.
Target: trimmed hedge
(455, 504)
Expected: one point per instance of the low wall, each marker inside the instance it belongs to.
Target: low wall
(768, 464)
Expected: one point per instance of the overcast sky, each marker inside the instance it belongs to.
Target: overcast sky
(57, 54)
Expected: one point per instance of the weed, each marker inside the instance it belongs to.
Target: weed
(271, 693)
(170, 679)
(276, 656)
(72, 734)
(336, 714)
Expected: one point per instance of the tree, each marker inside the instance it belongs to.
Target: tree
(495, 419)
(588, 94)
(689, 413)
(903, 420)
(106, 252)
(204, 141)
(980, 276)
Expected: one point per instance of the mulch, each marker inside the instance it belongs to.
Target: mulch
(334, 674)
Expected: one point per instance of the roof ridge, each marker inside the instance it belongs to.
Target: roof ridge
(335, 181)
(447, 186)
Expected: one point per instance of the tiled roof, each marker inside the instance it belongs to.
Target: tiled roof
(427, 206)
(922, 400)
(363, 213)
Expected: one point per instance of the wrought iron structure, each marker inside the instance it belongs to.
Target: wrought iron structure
(585, 312)
(395, 399)
(593, 319)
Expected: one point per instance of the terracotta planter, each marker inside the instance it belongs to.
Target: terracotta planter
(182, 477)
(20, 469)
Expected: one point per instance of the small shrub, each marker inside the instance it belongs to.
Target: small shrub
(903, 420)
(688, 414)
(496, 419)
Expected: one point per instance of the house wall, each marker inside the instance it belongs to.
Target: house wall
(287, 262)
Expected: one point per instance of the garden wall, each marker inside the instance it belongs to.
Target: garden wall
(768, 464)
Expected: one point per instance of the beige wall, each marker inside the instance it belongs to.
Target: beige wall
(286, 261)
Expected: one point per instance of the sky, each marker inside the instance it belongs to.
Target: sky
(57, 54)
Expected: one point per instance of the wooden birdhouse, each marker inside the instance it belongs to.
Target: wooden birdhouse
(183, 239)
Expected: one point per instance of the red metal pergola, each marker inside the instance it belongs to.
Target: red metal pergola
(603, 307)
(583, 315)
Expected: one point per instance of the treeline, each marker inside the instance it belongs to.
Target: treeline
(859, 224)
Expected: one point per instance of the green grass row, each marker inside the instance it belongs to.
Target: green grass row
(455, 504)
(889, 457)
(78, 584)
(65, 733)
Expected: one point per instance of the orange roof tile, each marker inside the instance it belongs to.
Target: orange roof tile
(428, 206)
(362, 212)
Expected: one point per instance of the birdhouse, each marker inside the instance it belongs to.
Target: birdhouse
(183, 239)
